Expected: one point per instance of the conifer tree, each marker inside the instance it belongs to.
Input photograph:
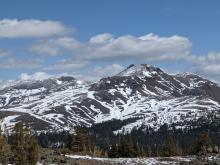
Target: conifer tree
(4, 149)
(203, 142)
(24, 145)
(137, 150)
(123, 148)
(143, 153)
(131, 148)
(113, 151)
(18, 145)
(126, 147)
(148, 152)
(33, 150)
(169, 148)
(80, 142)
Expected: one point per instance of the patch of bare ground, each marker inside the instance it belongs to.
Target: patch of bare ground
(50, 156)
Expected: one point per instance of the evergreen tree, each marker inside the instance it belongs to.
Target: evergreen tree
(137, 150)
(80, 141)
(169, 148)
(126, 147)
(113, 152)
(131, 147)
(24, 145)
(33, 150)
(149, 152)
(18, 145)
(142, 151)
(4, 149)
(203, 142)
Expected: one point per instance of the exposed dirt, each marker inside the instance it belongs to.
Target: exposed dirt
(49, 156)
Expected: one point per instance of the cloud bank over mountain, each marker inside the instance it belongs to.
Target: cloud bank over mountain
(53, 48)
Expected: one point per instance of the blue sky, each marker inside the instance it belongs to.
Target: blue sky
(91, 39)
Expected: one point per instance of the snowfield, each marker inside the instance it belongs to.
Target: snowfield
(143, 93)
(136, 161)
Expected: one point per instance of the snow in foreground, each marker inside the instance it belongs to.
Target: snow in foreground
(136, 161)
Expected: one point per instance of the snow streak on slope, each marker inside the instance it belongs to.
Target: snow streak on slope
(145, 94)
(48, 104)
(158, 99)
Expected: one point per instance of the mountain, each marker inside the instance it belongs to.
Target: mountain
(143, 95)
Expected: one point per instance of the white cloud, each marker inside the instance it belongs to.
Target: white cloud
(211, 69)
(45, 49)
(35, 76)
(102, 47)
(66, 65)
(13, 28)
(21, 64)
(206, 65)
(89, 74)
(98, 72)
(149, 47)
(101, 38)
(53, 47)
(105, 46)
(109, 70)
(4, 53)
(213, 57)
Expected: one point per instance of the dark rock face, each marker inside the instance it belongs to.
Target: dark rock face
(143, 92)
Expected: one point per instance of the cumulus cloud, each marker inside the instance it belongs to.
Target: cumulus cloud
(211, 69)
(205, 59)
(53, 47)
(66, 65)
(53, 40)
(13, 28)
(21, 64)
(35, 76)
(207, 64)
(91, 74)
(4, 53)
(98, 72)
(149, 47)
(109, 70)
(101, 38)
(105, 46)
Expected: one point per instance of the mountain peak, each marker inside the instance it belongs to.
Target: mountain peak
(146, 94)
(139, 70)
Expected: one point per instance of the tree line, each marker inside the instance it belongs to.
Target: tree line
(23, 146)
(86, 142)
(182, 140)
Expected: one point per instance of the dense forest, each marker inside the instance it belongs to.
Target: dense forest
(102, 135)
(184, 139)
(23, 145)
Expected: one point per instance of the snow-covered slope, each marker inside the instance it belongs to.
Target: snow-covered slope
(145, 94)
